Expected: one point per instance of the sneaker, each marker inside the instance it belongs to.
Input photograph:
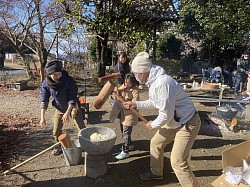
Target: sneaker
(150, 176)
(122, 155)
(57, 151)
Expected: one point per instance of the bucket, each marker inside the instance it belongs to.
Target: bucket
(73, 156)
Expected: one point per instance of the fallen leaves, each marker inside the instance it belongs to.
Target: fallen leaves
(13, 130)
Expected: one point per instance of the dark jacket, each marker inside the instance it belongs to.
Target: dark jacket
(123, 69)
(63, 94)
(243, 65)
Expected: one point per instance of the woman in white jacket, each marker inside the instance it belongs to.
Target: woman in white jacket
(177, 120)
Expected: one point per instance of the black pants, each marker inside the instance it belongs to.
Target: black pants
(241, 78)
(1, 65)
(126, 136)
(228, 78)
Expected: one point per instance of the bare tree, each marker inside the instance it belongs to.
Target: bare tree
(73, 45)
(25, 23)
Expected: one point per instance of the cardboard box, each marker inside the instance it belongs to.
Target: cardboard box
(233, 157)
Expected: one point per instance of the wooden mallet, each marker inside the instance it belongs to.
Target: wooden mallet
(119, 98)
(109, 77)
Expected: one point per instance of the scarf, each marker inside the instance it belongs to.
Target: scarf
(52, 84)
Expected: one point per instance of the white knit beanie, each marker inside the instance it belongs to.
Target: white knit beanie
(141, 63)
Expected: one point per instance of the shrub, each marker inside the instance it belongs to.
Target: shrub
(171, 66)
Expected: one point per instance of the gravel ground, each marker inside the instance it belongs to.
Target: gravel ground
(19, 117)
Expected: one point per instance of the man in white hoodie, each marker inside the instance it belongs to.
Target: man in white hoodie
(177, 120)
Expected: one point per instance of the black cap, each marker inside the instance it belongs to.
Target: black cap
(247, 52)
(53, 66)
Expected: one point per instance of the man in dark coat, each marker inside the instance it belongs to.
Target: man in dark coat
(243, 66)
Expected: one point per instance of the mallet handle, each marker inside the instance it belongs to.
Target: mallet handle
(33, 157)
(109, 77)
(132, 109)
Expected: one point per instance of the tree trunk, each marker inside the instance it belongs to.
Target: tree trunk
(210, 53)
(154, 44)
(98, 54)
(146, 47)
(26, 63)
(213, 51)
(102, 45)
(44, 61)
(216, 48)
